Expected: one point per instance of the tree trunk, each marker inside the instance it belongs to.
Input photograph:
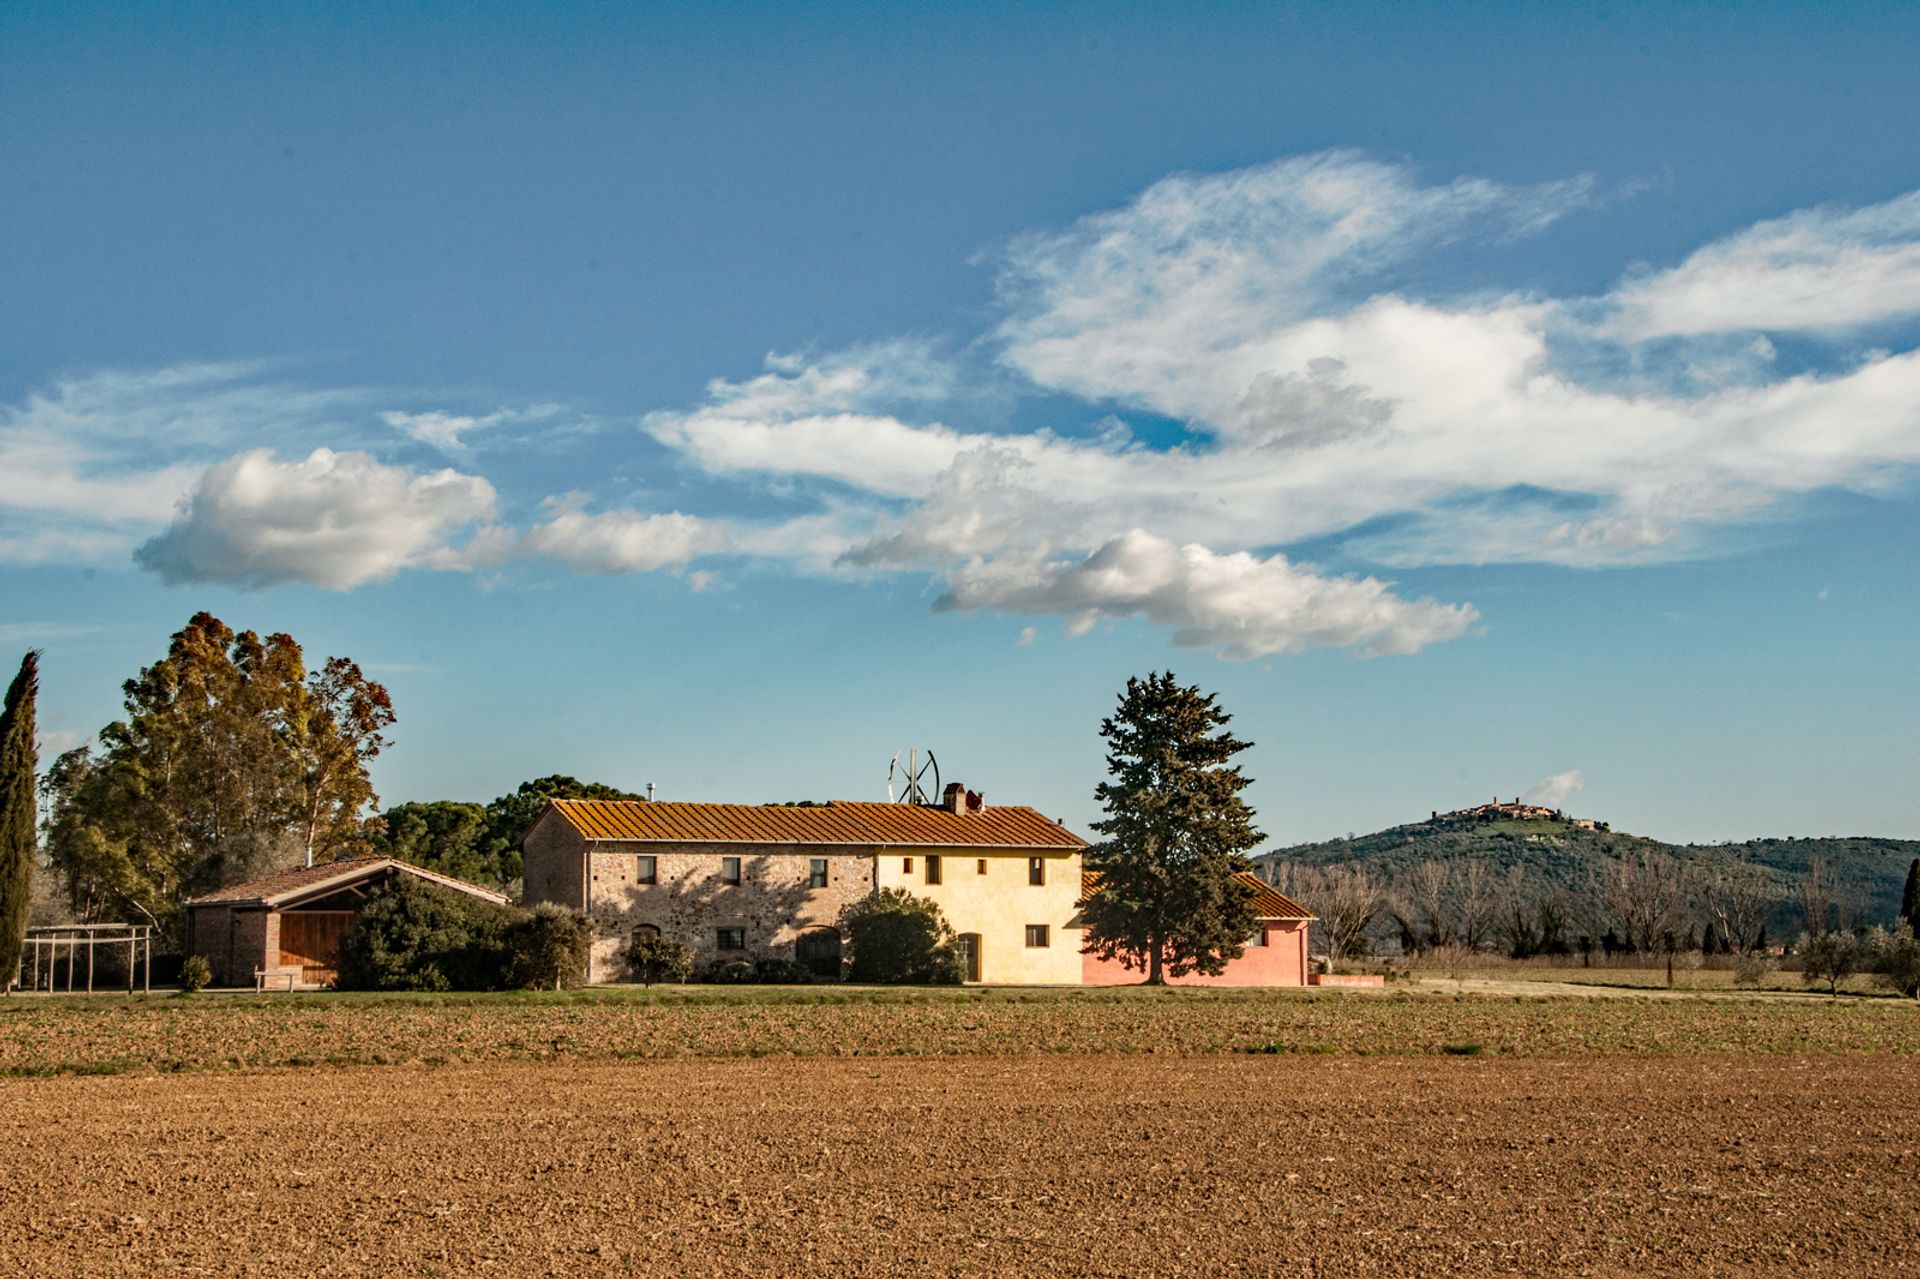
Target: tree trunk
(1154, 976)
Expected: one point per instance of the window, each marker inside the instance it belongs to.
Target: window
(817, 873)
(906, 865)
(1037, 872)
(933, 870)
(730, 870)
(1036, 935)
(1258, 939)
(649, 871)
(981, 865)
(730, 938)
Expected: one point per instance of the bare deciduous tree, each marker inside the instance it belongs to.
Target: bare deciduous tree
(1346, 898)
(1645, 892)
(1737, 897)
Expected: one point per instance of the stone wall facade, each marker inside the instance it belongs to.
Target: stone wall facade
(553, 864)
(690, 901)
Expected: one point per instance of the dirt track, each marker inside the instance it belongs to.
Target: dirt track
(1059, 1165)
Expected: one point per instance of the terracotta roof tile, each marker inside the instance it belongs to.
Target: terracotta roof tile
(270, 889)
(1268, 901)
(835, 822)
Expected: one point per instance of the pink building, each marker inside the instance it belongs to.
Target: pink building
(1276, 954)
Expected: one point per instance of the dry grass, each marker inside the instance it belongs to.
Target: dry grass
(115, 1034)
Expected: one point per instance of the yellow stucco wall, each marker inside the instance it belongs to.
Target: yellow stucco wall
(998, 905)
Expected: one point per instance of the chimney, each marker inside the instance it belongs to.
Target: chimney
(954, 797)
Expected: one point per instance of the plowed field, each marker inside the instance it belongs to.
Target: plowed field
(1047, 1165)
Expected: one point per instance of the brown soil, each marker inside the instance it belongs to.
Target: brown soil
(1143, 1165)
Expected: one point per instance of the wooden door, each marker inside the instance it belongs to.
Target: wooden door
(310, 941)
(970, 955)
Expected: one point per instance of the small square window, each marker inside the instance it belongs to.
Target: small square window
(1258, 939)
(981, 866)
(906, 865)
(817, 873)
(649, 871)
(933, 870)
(730, 870)
(1036, 870)
(1036, 935)
(730, 938)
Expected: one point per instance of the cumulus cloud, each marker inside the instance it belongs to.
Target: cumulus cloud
(336, 520)
(623, 541)
(1555, 791)
(1242, 605)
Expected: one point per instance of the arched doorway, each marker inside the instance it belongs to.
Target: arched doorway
(970, 955)
(818, 951)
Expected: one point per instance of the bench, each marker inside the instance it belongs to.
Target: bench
(262, 980)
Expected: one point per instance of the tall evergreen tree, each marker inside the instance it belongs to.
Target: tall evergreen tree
(18, 770)
(1176, 834)
(1910, 897)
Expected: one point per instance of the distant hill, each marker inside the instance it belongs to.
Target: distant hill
(1566, 851)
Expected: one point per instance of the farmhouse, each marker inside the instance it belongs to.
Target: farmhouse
(752, 881)
(1276, 954)
(285, 929)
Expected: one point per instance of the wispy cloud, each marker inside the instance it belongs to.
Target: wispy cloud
(1282, 324)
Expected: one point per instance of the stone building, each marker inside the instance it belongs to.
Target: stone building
(285, 929)
(756, 881)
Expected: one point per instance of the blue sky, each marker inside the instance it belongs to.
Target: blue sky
(1482, 399)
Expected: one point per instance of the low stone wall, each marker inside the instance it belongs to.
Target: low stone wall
(1346, 979)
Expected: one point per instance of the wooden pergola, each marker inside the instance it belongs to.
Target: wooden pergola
(40, 963)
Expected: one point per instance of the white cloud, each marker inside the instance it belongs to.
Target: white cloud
(1555, 791)
(1813, 270)
(336, 520)
(1243, 605)
(622, 541)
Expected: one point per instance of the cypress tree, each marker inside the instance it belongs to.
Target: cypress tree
(18, 773)
(1910, 897)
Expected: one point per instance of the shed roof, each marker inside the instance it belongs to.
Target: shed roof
(842, 822)
(1268, 901)
(291, 886)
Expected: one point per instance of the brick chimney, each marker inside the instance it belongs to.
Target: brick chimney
(954, 798)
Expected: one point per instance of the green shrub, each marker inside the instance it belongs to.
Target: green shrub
(548, 948)
(195, 973)
(1751, 969)
(728, 972)
(412, 935)
(898, 938)
(1830, 956)
(651, 958)
(1894, 956)
(781, 972)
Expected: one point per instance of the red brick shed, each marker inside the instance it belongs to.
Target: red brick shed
(285, 929)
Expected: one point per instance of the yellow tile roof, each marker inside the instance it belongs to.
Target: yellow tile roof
(1268, 901)
(836, 822)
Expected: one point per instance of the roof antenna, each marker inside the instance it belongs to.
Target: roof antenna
(913, 778)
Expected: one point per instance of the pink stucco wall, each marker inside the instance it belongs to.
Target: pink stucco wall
(1281, 962)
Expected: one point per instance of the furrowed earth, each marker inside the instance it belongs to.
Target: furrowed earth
(1650, 1152)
